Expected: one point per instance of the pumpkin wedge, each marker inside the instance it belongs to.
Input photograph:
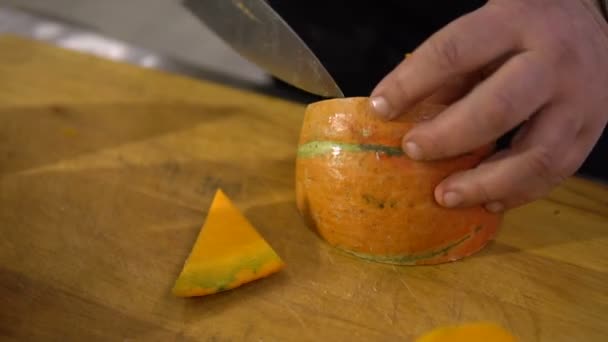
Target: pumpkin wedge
(228, 253)
(357, 189)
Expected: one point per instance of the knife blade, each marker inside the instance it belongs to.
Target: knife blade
(258, 33)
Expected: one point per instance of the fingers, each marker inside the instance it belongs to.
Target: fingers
(454, 89)
(541, 158)
(461, 47)
(517, 90)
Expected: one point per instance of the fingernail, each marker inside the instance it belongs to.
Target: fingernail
(413, 150)
(452, 199)
(495, 207)
(381, 106)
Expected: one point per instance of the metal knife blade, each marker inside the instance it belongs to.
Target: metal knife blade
(259, 34)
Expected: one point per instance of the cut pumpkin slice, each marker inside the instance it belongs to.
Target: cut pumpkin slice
(228, 253)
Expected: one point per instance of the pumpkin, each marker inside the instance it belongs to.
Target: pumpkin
(470, 332)
(228, 253)
(359, 191)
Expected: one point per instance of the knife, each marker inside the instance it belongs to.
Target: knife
(258, 33)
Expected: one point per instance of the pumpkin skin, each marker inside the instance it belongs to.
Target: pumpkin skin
(357, 189)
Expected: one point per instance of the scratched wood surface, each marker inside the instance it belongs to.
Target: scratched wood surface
(106, 173)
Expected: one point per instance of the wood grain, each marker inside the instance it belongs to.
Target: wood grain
(106, 173)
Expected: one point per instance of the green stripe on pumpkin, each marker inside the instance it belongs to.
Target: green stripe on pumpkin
(221, 277)
(408, 259)
(316, 148)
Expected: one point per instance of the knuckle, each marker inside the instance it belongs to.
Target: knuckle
(560, 49)
(565, 51)
(401, 84)
(498, 119)
(540, 77)
(572, 122)
(503, 103)
(540, 73)
(432, 147)
(445, 52)
(542, 165)
(482, 193)
(475, 188)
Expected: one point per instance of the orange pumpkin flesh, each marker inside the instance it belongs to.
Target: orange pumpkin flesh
(358, 190)
(227, 253)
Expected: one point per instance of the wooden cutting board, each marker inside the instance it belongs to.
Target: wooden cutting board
(106, 174)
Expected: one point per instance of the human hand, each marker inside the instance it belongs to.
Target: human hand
(544, 64)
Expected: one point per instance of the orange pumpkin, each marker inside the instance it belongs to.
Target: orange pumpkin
(362, 194)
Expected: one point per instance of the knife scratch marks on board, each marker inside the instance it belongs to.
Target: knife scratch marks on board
(298, 318)
(395, 301)
(455, 308)
(403, 282)
(246, 11)
(330, 258)
(390, 317)
(408, 288)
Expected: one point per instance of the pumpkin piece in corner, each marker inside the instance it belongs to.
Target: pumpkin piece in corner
(469, 332)
(228, 253)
